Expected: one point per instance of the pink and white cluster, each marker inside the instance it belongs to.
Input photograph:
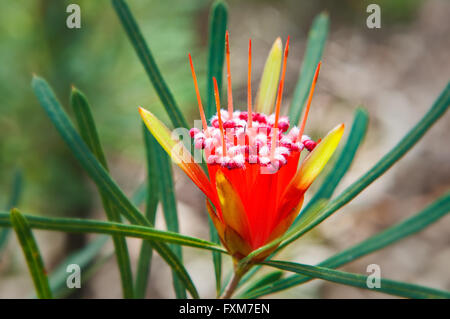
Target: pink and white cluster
(245, 144)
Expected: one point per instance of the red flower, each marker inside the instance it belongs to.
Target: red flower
(255, 188)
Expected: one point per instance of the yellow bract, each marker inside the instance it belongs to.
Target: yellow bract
(176, 150)
(267, 91)
(233, 212)
(317, 159)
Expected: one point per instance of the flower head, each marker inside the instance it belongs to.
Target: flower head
(255, 187)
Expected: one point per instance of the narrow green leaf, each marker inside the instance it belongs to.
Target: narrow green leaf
(168, 201)
(217, 28)
(268, 86)
(216, 54)
(147, 60)
(76, 225)
(387, 286)
(83, 258)
(88, 131)
(32, 254)
(152, 190)
(99, 175)
(16, 190)
(86, 125)
(314, 49)
(217, 257)
(408, 227)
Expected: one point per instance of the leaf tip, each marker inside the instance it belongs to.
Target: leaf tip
(35, 78)
(142, 111)
(220, 5)
(278, 43)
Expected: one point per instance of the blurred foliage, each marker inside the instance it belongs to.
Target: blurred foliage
(96, 58)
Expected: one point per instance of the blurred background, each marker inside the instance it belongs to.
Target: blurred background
(396, 72)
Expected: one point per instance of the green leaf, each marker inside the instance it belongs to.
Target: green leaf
(32, 254)
(83, 257)
(88, 131)
(410, 226)
(217, 257)
(168, 201)
(147, 60)
(76, 225)
(314, 49)
(86, 125)
(16, 190)
(217, 28)
(388, 286)
(407, 142)
(146, 253)
(100, 176)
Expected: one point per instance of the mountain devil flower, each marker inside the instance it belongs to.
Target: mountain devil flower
(255, 181)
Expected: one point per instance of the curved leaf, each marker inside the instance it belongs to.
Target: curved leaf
(32, 254)
(151, 195)
(410, 226)
(88, 131)
(147, 60)
(168, 201)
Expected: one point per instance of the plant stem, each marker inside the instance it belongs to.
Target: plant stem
(239, 272)
(232, 285)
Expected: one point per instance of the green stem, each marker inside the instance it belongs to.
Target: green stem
(231, 286)
(239, 272)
